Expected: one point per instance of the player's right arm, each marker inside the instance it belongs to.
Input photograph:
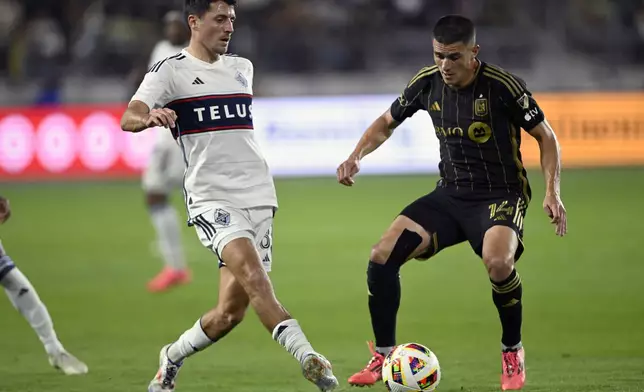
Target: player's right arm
(146, 110)
(383, 127)
(138, 117)
(377, 133)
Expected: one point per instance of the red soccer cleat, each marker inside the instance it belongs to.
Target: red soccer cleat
(167, 278)
(372, 373)
(513, 376)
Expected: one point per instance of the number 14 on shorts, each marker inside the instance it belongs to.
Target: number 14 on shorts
(501, 210)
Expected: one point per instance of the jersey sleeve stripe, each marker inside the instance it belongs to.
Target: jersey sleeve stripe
(508, 75)
(513, 81)
(157, 66)
(423, 73)
(504, 81)
(153, 66)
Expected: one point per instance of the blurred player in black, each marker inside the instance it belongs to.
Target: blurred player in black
(483, 192)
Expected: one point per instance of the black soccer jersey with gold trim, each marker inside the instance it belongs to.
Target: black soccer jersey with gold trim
(478, 127)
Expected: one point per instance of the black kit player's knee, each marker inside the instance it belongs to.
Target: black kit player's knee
(404, 247)
(383, 281)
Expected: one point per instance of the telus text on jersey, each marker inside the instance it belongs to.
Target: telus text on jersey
(218, 112)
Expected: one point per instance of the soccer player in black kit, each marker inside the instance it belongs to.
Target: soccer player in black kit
(478, 110)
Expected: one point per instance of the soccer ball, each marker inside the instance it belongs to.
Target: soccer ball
(411, 367)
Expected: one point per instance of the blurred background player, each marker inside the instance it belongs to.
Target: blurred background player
(483, 193)
(205, 97)
(24, 298)
(164, 174)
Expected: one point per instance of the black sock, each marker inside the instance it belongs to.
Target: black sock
(384, 300)
(507, 298)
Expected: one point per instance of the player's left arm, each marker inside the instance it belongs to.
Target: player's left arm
(551, 167)
(526, 113)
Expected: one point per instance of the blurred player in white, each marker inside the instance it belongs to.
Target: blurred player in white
(205, 98)
(164, 174)
(24, 298)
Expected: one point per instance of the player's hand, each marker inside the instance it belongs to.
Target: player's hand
(554, 208)
(347, 170)
(5, 210)
(161, 118)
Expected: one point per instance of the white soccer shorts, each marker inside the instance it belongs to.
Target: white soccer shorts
(166, 166)
(217, 227)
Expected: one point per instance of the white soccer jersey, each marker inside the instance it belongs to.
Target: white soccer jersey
(213, 102)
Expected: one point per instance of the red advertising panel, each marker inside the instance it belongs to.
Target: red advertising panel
(69, 142)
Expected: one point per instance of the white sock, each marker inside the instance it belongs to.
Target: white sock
(24, 298)
(384, 350)
(166, 223)
(189, 343)
(289, 334)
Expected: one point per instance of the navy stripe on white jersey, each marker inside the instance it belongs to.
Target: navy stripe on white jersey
(212, 113)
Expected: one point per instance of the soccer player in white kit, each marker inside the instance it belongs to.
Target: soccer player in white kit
(164, 173)
(25, 299)
(205, 98)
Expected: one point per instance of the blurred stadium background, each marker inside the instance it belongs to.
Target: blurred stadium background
(324, 70)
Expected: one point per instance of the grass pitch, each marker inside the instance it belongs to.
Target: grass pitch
(86, 249)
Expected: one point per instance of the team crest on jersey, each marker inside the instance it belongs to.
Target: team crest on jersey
(480, 107)
(241, 79)
(222, 217)
(524, 101)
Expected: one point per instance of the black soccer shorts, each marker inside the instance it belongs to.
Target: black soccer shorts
(453, 217)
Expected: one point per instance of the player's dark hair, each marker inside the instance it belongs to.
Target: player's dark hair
(451, 29)
(200, 7)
